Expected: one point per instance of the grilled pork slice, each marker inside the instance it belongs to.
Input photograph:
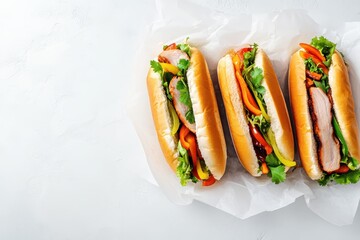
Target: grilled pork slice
(328, 145)
(172, 56)
(180, 108)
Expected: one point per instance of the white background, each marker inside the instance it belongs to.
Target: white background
(71, 165)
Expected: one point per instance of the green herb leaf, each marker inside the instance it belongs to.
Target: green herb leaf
(184, 93)
(272, 160)
(185, 48)
(277, 174)
(339, 135)
(256, 77)
(277, 169)
(190, 116)
(186, 100)
(167, 76)
(156, 66)
(249, 57)
(320, 85)
(183, 65)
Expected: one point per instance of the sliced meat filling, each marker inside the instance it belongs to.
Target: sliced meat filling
(328, 145)
(181, 109)
(172, 56)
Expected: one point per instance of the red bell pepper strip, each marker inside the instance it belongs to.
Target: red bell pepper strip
(257, 135)
(312, 50)
(210, 181)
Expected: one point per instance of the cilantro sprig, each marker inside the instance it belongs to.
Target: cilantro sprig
(277, 170)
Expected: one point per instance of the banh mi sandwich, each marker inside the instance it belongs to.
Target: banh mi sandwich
(186, 115)
(256, 112)
(324, 113)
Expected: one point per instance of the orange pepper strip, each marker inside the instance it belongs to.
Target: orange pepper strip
(312, 50)
(245, 92)
(190, 139)
(313, 75)
(264, 168)
(306, 55)
(183, 132)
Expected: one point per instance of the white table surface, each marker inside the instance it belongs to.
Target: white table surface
(71, 165)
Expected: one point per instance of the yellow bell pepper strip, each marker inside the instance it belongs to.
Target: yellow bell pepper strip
(202, 174)
(236, 62)
(245, 93)
(190, 138)
(188, 141)
(281, 158)
(312, 50)
(174, 118)
(167, 67)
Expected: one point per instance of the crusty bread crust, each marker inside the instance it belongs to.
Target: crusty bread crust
(235, 113)
(302, 119)
(344, 103)
(209, 132)
(162, 118)
(276, 107)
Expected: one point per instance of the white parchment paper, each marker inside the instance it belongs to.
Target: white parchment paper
(214, 33)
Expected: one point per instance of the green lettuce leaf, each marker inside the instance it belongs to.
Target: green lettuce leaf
(249, 57)
(184, 168)
(312, 67)
(259, 121)
(345, 178)
(326, 47)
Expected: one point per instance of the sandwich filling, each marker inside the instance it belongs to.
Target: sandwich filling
(172, 65)
(332, 151)
(271, 160)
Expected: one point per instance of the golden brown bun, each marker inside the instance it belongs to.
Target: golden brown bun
(344, 103)
(302, 119)
(209, 132)
(343, 107)
(162, 118)
(276, 107)
(235, 113)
